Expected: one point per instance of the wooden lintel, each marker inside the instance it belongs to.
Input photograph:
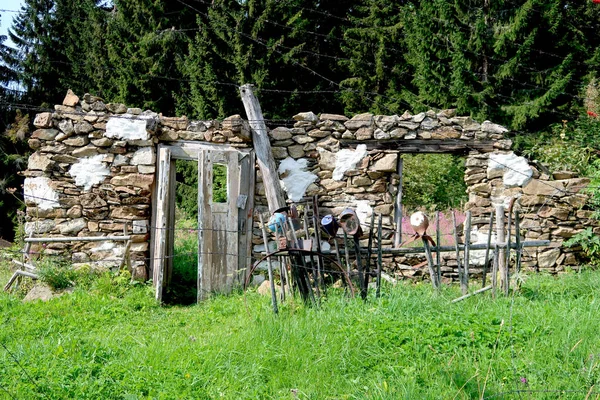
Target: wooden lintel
(455, 146)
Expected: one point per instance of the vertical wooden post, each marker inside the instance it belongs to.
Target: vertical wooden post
(269, 266)
(379, 256)
(432, 274)
(438, 241)
(500, 240)
(457, 247)
(467, 250)
(508, 238)
(487, 249)
(518, 240)
(262, 147)
(398, 205)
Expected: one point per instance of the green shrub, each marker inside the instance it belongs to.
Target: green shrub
(57, 273)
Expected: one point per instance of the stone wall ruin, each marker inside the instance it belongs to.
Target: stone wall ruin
(93, 171)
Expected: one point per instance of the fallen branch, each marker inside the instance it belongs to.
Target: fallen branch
(485, 289)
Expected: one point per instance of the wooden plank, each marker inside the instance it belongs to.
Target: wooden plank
(245, 211)
(78, 239)
(160, 230)
(467, 252)
(202, 235)
(500, 239)
(185, 150)
(466, 296)
(438, 241)
(457, 249)
(398, 204)
(379, 256)
(455, 146)
(18, 273)
(269, 266)
(518, 241)
(170, 234)
(262, 147)
(487, 248)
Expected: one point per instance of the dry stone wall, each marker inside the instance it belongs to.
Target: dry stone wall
(314, 158)
(94, 170)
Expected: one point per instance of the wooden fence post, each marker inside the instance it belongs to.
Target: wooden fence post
(502, 250)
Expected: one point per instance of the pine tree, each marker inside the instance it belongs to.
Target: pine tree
(146, 41)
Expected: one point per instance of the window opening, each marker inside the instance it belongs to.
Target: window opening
(219, 182)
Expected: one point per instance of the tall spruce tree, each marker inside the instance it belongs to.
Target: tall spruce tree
(146, 41)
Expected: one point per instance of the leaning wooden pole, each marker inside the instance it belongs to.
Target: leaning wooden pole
(262, 147)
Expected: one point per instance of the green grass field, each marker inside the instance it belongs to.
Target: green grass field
(113, 342)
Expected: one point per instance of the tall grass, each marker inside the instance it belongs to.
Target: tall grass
(114, 342)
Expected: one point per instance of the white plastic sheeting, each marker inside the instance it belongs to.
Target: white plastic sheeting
(39, 191)
(126, 128)
(347, 159)
(89, 171)
(516, 170)
(297, 179)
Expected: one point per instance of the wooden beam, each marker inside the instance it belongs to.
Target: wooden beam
(262, 147)
(411, 146)
(76, 239)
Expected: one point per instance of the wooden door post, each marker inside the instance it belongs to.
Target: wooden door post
(262, 147)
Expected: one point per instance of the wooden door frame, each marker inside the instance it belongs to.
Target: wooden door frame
(163, 204)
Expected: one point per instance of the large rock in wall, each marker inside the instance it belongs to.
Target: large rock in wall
(93, 172)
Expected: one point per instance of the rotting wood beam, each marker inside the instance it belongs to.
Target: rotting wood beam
(262, 147)
(411, 146)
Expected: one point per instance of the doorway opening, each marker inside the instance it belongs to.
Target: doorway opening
(182, 288)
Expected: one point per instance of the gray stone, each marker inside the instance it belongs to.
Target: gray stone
(144, 156)
(548, 258)
(44, 134)
(39, 226)
(86, 151)
(66, 126)
(429, 123)
(71, 99)
(364, 133)
(411, 135)
(296, 151)
(82, 127)
(43, 120)
(136, 180)
(301, 139)
(365, 120)
(140, 226)
(333, 117)
(39, 291)
(398, 133)
(103, 142)
(381, 135)
(489, 127)
(40, 162)
(408, 125)
(279, 152)
(386, 123)
(280, 133)
(388, 163)
(419, 117)
(120, 160)
(306, 116)
(98, 106)
(77, 141)
(72, 227)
